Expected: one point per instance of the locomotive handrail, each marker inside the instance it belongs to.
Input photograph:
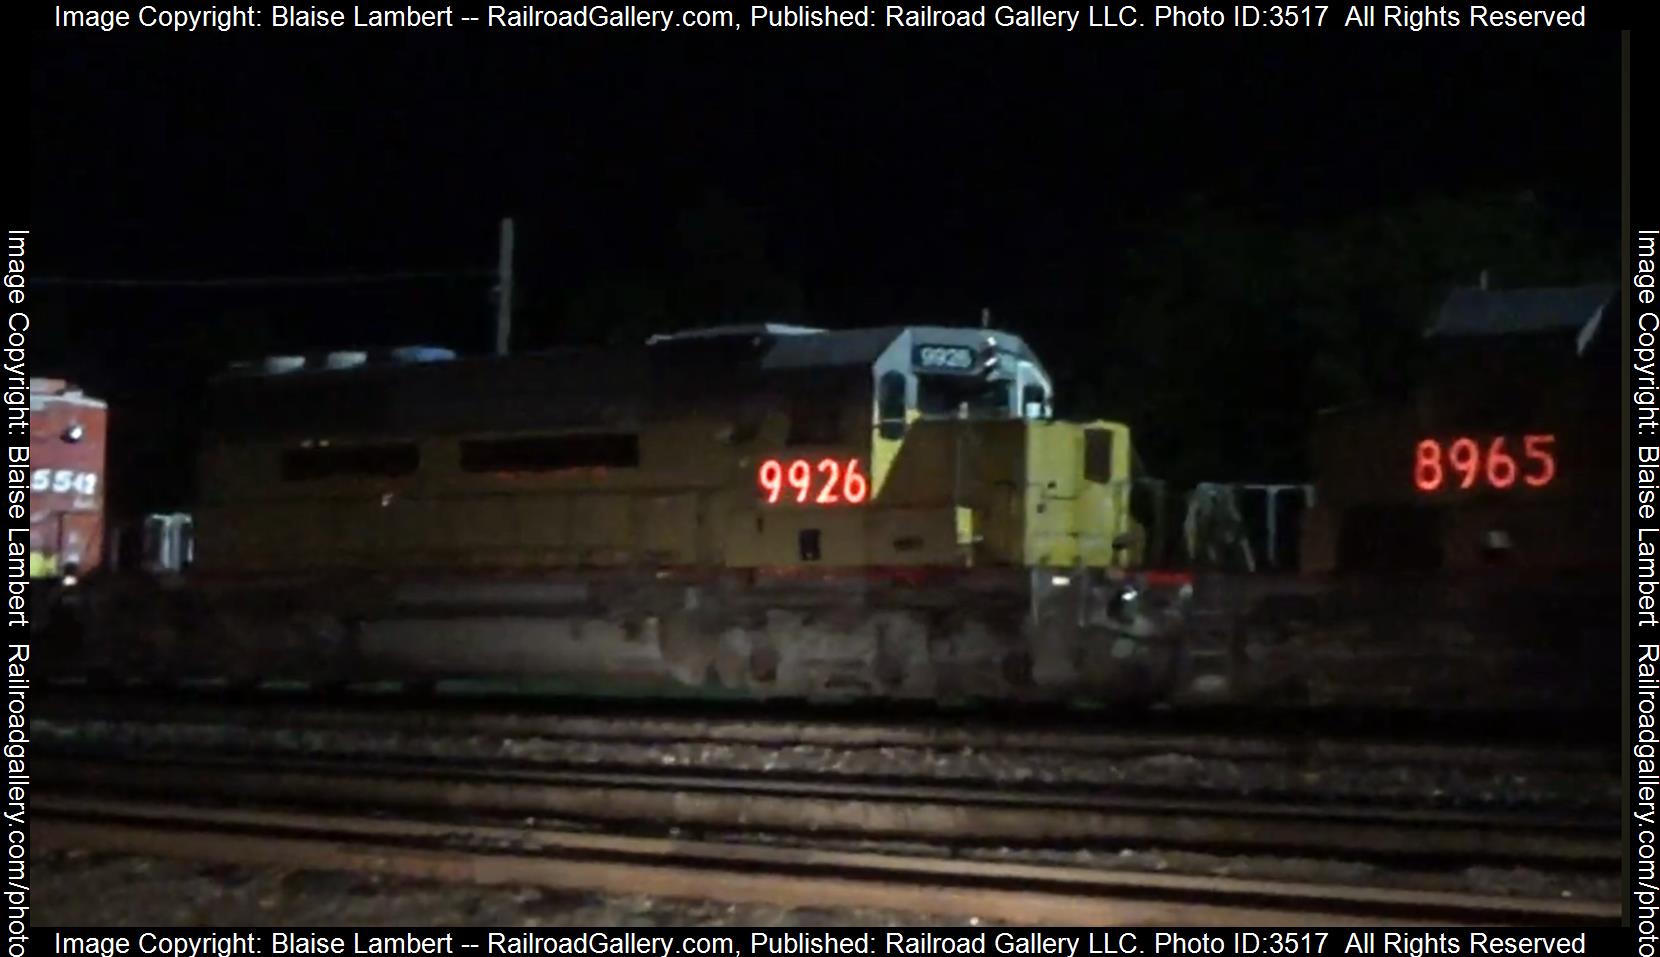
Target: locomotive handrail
(1271, 492)
(1153, 544)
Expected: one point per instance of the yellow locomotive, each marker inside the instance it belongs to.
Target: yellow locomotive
(767, 510)
(794, 448)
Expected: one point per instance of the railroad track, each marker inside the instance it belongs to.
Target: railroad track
(790, 877)
(1071, 737)
(822, 806)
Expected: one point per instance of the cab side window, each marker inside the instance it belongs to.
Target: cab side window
(1098, 455)
(890, 405)
(1033, 402)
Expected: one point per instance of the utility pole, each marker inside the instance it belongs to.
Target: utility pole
(504, 288)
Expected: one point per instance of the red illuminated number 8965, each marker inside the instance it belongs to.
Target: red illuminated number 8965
(1469, 462)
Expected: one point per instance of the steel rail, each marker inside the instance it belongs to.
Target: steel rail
(831, 732)
(663, 798)
(787, 877)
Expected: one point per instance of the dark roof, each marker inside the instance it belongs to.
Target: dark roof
(719, 332)
(777, 348)
(1573, 310)
(843, 347)
(558, 390)
(517, 393)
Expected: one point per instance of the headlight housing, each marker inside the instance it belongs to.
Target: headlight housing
(1124, 603)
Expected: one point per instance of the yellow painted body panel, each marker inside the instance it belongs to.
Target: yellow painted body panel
(1004, 492)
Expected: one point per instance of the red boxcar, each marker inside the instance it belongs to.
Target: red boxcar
(66, 502)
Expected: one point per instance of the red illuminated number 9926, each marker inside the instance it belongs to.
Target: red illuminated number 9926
(1464, 462)
(822, 482)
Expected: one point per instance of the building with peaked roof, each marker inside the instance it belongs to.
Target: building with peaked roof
(1505, 453)
(1574, 312)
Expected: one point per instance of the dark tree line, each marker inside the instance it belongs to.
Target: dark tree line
(1232, 331)
(1219, 333)
(1222, 332)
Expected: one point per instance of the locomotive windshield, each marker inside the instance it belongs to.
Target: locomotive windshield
(945, 395)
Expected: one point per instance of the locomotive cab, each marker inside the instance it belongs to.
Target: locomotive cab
(962, 374)
(957, 463)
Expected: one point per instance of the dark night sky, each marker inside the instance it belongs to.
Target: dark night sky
(897, 176)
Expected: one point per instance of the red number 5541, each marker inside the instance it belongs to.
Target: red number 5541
(1469, 463)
